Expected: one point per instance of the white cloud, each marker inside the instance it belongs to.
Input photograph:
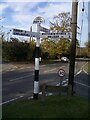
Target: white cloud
(52, 10)
(44, 0)
(23, 16)
(2, 7)
(23, 19)
(20, 12)
(21, 7)
(48, 12)
(24, 0)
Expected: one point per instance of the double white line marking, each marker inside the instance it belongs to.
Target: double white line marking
(20, 78)
(11, 100)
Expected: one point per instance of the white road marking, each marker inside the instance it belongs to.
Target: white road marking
(53, 69)
(20, 78)
(11, 100)
(54, 64)
(49, 70)
(30, 97)
(82, 84)
(82, 70)
(84, 65)
(42, 65)
(62, 66)
(85, 71)
(21, 68)
(78, 73)
(58, 84)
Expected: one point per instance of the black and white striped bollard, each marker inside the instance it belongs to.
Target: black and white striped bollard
(36, 77)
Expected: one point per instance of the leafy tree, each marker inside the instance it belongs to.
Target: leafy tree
(18, 50)
(55, 49)
(87, 44)
(31, 50)
(58, 47)
(62, 49)
(14, 50)
(62, 22)
(87, 48)
(48, 48)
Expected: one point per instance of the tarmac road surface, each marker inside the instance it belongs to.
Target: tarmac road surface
(18, 82)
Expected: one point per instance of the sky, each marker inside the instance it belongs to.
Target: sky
(89, 22)
(18, 14)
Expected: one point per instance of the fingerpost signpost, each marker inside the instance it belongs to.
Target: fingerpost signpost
(46, 34)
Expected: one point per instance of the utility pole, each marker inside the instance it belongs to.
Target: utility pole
(88, 21)
(73, 44)
(30, 31)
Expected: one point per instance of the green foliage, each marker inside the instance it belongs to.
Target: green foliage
(31, 50)
(63, 47)
(15, 50)
(87, 44)
(83, 52)
(55, 49)
(62, 22)
(87, 48)
(48, 48)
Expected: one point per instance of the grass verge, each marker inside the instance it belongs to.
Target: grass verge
(49, 107)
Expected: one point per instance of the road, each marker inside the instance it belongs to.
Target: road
(19, 82)
(82, 85)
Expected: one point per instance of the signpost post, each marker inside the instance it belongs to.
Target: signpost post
(61, 74)
(38, 21)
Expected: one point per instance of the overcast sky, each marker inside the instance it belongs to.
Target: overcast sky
(20, 14)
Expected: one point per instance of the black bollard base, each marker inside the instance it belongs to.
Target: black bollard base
(35, 96)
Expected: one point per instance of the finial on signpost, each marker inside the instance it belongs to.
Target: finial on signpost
(38, 20)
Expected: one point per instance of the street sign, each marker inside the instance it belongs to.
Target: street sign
(24, 33)
(55, 35)
(44, 29)
(61, 72)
